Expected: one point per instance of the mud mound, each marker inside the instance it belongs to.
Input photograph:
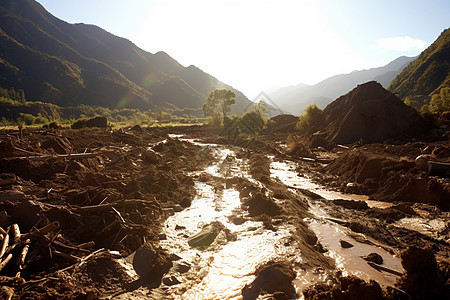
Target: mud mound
(271, 278)
(371, 113)
(259, 204)
(422, 279)
(345, 288)
(388, 178)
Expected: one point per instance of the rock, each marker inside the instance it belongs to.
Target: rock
(171, 280)
(236, 220)
(177, 208)
(259, 204)
(345, 244)
(374, 257)
(185, 202)
(179, 227)
(421, 161)
(272, 277)
(207, 235)
(150, 156)
(150, 263)
(182, 267)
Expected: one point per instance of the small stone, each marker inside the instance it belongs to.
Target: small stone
(171, 280)
(374, 257)
(177, 208)
(179, 227)
(149, 155)
(174, 257)
(345, 244)
(182, 267)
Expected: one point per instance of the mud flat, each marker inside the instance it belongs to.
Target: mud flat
(181, 213)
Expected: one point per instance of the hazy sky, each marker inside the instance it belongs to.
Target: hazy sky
(260, 45)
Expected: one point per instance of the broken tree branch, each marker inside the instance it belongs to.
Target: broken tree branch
(5, 261)
(65, 156)
(4, 245)
(380, 268)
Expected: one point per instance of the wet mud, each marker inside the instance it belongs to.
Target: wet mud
(181, 213)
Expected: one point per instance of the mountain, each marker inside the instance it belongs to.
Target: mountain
(428, 76)
(296, 99)
(71, 64)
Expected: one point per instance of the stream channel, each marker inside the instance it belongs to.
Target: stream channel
(221, 270)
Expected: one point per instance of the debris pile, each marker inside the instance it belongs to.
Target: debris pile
(66, 196)
(373, 114)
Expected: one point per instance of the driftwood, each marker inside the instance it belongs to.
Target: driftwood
(65, 156)
(4, 245)
(380, 268)
(110, 206)
(26, 151)
(5, 261)
(23, 254)
(16, 232)
(70, 248)
(342, 147)
(65, 255)
(44, 230)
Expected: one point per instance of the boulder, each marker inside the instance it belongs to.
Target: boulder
(208, 234)
(271, 278)
(151, 263)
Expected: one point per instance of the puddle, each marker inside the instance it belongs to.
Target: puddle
(348, 260)
(286, 173)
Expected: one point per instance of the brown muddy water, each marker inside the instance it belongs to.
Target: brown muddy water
(221, 270)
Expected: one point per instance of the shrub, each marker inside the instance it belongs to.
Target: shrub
(311, 115)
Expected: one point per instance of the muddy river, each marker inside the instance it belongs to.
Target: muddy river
(221, 270)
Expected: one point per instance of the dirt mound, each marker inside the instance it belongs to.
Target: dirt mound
(345, 288)
(271, 278)
(371, 113)
(423, 279)
(388, 178)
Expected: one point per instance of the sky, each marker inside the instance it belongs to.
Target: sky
(260, 45)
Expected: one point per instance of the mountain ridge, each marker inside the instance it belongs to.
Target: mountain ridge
(332, 87)
(111, 68)
(426, 80)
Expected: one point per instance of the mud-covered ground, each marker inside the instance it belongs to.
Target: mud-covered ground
(123, 218)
